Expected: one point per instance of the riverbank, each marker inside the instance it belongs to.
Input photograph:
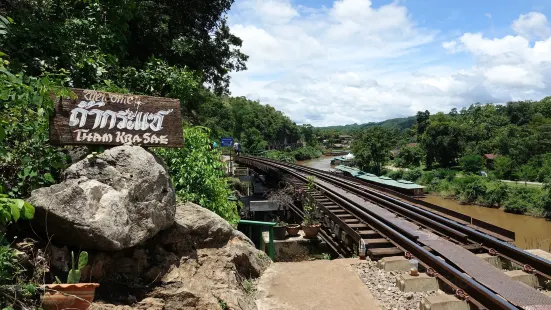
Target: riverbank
(482, 191)
(518, 198)
(323, 162)
(531, 232)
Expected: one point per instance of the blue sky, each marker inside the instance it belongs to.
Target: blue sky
(328, 62)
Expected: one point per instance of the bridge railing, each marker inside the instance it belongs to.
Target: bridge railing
(264, 225)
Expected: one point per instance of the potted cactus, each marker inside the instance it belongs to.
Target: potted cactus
(73, 294)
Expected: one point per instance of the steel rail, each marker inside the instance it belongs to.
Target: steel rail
(474, 289)
(541, 265)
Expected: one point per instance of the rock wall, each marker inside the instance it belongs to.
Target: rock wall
(200, 262)
(145, 250)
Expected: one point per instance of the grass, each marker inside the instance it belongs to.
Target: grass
(521, 184)
(249, 287)
(223, 305)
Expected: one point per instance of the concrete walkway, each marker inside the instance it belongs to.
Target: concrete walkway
(320, 284)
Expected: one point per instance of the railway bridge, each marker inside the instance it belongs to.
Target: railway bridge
(447, 244)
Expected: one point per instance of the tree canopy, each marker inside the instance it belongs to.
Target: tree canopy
(372, 148)
(97, 40)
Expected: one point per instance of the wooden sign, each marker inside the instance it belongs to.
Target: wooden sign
(103, 118)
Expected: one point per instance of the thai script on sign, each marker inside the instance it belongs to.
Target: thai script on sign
(126, 119)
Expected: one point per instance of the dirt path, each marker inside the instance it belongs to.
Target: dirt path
(320, 284)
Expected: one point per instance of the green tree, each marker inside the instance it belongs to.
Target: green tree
(409, 156)
(527, 173)
(472, 163)
(503, 167)
(372, 148)
(443, 140)
(307, 133)
(198, 174)
(422, 121)
(94, 39)
(27, 161)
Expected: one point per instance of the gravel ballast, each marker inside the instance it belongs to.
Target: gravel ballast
(382, 285)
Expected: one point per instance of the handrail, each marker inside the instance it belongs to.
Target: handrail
(270, 225)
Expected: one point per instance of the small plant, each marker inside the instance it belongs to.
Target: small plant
(92, 157)
(74, 274)
(11, 210)
(249, 287)
(223, 305)
(9, 265)
(310, 207)
(279, 223)
(326, 256)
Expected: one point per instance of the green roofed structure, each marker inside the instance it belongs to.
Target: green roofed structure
(402, 186)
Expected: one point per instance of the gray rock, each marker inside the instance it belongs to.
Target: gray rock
(76, 153)
(113, 201)
(198, 262)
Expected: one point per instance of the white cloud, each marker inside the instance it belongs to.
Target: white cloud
(354, 63)
(269, 11)
(532, 26)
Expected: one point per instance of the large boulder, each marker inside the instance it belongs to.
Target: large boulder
(201, 262)
(108, 202)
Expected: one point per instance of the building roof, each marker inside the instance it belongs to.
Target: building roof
(385, 181)
(412, 144)
(345, 136)
(490, 156)
(337, 145)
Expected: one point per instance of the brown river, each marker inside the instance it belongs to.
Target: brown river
(531, 232)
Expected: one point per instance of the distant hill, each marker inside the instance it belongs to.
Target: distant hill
(402, 123)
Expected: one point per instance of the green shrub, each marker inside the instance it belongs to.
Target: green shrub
(472, 163)
(413, 175)
(522, 200)
(503, 167)
(307, 152)
(198, 175)
(395, 174)
(516, 205)
(496, 194)
(11, 210)
(471, 192)
(282, 156)
(445, 174)
(427, 177)
(27, 161)
(9, 265)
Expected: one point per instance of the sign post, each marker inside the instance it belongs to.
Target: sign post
(101, 118)
(227, 141)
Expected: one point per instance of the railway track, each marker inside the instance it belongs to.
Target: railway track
(354, 212)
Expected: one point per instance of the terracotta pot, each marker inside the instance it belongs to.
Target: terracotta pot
(293, 229)
(311, 231)
(279, 232)
(76, 296)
